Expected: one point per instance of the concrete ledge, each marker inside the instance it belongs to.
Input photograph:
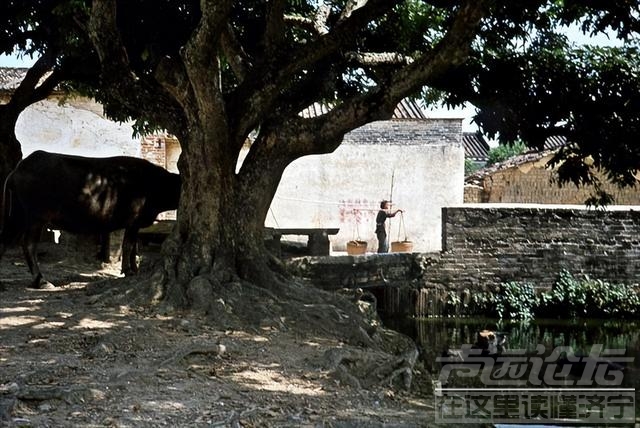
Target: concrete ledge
(369, 270)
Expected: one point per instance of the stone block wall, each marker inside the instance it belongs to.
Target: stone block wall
(366, 271)
(486, 245)
(491, 245)
(407, 132)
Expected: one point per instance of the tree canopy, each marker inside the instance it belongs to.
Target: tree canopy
(215, 72)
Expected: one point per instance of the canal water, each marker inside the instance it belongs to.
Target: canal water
(445, 337)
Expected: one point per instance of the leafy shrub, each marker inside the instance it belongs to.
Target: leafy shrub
(504, 152)
(604, 299)
(511, 300)
(590, 298)
(516, 301)
(470, 167)
(569, 297)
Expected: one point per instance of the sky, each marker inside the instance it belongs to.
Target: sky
(14, 61)
(465, 113)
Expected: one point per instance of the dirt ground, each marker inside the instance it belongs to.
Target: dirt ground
(69, 357)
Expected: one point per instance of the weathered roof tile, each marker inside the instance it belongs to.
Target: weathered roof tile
(475, 147)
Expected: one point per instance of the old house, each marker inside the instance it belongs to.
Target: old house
(527, 179)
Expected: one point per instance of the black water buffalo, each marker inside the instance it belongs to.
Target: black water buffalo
(84, 196)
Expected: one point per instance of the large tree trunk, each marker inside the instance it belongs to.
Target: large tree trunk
(220, 225)
(10, 151)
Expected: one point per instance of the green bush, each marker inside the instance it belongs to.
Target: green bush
(504, 152)
(603, 299)
(511, 300)
(589, 298)
(470, 167)
(569, 297)
(516, 301)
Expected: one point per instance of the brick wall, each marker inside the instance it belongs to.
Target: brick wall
(152, 148)
(484, 246)
(401, 132)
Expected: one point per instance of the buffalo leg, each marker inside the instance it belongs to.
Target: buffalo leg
(104, 254)
(30, 248)
(129, 243)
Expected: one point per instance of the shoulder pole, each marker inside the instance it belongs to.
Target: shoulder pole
(393, 173)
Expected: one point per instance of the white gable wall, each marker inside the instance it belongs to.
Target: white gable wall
(76, 127)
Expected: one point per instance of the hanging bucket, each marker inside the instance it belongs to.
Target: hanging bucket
(401, 246)
(404, 246)
(355, 248)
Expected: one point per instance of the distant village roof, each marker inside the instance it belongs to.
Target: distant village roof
(406, 109)
(11, 77)
(554, 142)
(550, 145)
(476, 147)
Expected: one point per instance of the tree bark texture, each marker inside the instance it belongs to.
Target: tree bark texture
(10, 150)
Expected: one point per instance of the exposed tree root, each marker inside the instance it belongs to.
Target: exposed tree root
(372, 354)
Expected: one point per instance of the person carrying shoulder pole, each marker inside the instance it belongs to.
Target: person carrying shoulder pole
(381, 230)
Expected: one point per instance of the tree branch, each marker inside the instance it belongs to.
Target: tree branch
(201, 59)
(451, 52)
(304, 23)
(134, 97)
(274, 30)
(350, 7)
(238, 59)
(320, 21)
(324, 134)
(341, 36)
(202, 48)
(33, 88)
(260, 95)
(105, 36)
(172, 76)
(317, 25)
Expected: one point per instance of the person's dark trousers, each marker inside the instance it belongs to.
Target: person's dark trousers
(382, 242)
